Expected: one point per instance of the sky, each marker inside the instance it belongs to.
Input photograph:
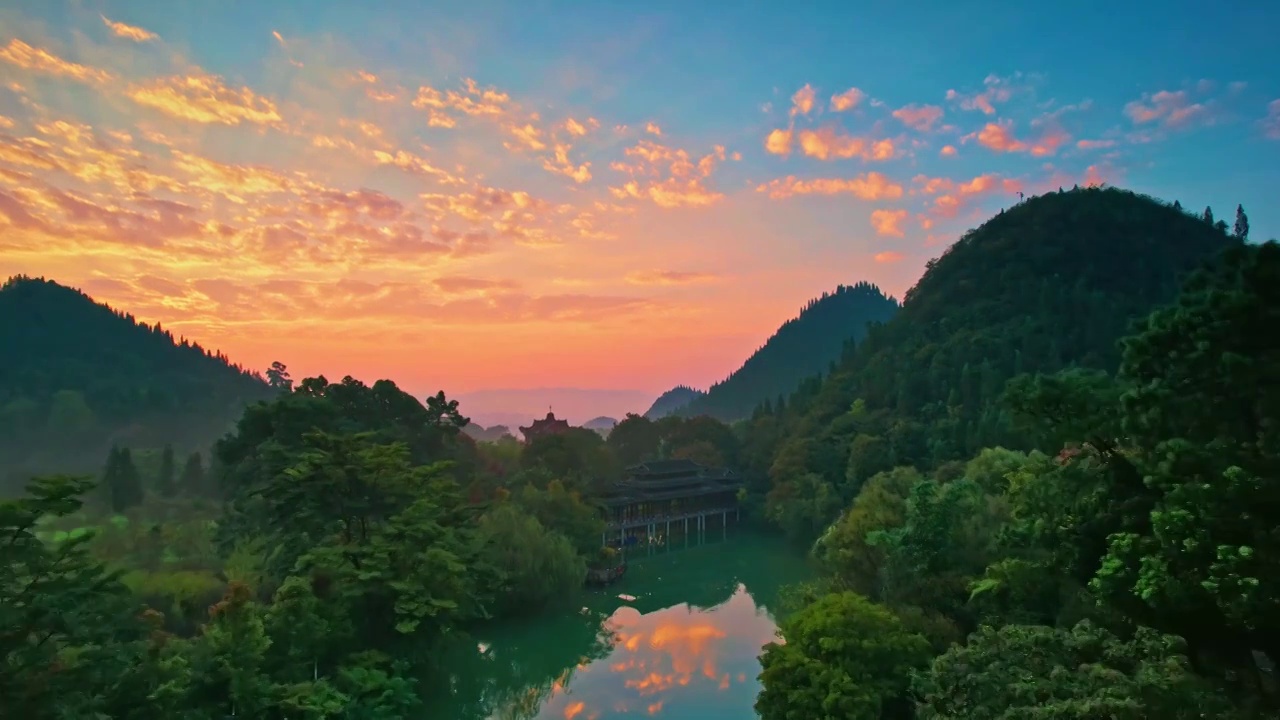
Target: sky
(490, 195)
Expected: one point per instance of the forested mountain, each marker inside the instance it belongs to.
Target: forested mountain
(671, 401)
(1050, 283)
(804, 346)
(77, 376)
(1060, 454)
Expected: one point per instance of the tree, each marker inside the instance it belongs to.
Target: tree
(1241, 229)
(121, 481)
(844, 657)
(69, 641)
(634, 440)
(193, 475)
(165, 480)
(539, 567)
(1208, 215)
(278, 377)
(1033, 671)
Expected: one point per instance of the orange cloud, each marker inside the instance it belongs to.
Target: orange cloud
(669, 177)
(669, 277)
(919, 117)
(828, 144)
(948, 151)
(888, 222)
(999, 137)
(128, 32)
(847, 100)
(952, 196)
(203, 98)
(803, 100)
(653, 129)
(871, 186)
(778, 142)
(997, 90)
(888, 256)
(39, 60)
(1172, 110)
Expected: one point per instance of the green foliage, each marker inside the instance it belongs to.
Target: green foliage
(121, 481)
(1033, 671)
(844, 657)
(539, 567)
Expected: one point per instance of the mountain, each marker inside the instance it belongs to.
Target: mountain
(77, 376)
(601, 425)
(671, 401)
(514, 407)
(479, 433)
(1049, 284)
(804, 346)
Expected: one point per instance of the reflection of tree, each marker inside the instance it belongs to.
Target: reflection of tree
(511, 677)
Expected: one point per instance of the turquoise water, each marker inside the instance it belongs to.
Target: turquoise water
(682, 643)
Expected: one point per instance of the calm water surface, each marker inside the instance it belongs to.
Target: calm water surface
(685, 648)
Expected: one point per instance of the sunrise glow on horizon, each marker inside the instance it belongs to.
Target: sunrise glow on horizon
(587, 195)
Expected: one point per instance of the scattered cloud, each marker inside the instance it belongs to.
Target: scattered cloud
(653, 129)
(949, 196)
(888, 256)
(888, 222)
(42, 61)
(948, 151)
(778, 142)
(1271, 123)
(871, 186)
(828, 143)
(669, 177)
(1171, 110)
(128, 32)
(999, 137)
(803, 101)
(995, 90)
(669, 277)
(919, 117)
(847, 100)
(204, 98)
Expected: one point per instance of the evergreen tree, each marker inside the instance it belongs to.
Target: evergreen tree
(165, 481)
(124, 488)
(278, 377)
(193, 478)
(1221, 226)
(1177, 205)
(1242, 223)
(1208, 215)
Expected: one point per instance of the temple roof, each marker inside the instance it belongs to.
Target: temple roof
(547, 425)
(664, 467)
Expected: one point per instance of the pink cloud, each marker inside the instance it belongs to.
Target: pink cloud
(1171, 110)
(888, 256)
(919, 117)
(827, 143)
(998, 136)
(803, 100)
(995, 90)
(888, 222)
(948, 151)
(847, 100)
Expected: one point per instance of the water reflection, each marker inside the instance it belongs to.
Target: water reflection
(684, 647)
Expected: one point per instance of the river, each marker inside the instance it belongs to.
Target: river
(685, 647)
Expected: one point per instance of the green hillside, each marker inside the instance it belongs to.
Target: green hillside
(804, 346)
(1051, 283)
(77, 376)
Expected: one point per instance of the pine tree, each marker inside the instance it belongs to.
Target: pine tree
(1177, 206)
(124, 487)
(1208, 215)
(165, 482)
(193, 475)
(1242, 223)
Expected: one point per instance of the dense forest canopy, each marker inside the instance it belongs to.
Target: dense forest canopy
(669, 402)
(77, 376)
(804, 346)
(1051, 478)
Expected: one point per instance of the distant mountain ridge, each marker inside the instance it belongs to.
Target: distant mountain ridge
(672, 401)
(804, 346)
(77, 376)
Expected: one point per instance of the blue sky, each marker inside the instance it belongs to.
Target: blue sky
(533, 181)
